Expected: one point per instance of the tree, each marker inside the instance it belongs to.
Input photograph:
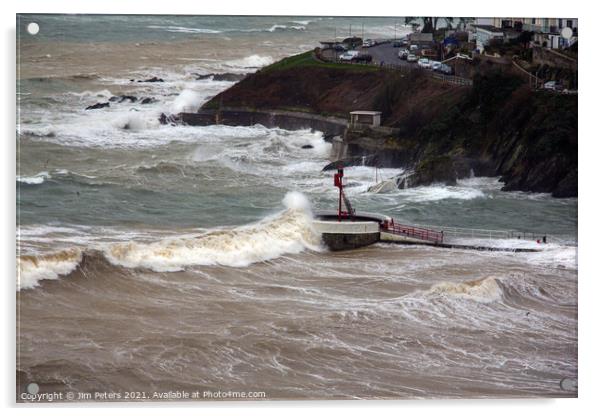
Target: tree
(429, 24)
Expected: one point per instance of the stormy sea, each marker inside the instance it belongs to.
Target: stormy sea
(158, 258)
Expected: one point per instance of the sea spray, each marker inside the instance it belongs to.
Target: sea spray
(32, 269)
(187, 101)
(289, 231)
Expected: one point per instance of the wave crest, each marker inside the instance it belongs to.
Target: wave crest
(32, 269)
(483, 290)
(287, 232)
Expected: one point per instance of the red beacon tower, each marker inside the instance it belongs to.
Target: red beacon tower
(338, 182)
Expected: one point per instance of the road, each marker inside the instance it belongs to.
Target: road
(387, 54)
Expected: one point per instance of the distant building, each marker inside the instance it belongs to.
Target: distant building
(548, 31)
(484, 34)
(365, 118)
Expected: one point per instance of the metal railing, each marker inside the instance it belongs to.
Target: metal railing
(452, 79)
(486, 234)
(418, 233)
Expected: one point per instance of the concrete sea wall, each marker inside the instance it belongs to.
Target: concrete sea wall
(289, 120)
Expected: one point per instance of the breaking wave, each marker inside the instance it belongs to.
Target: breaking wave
(287, 232)
(187, 101)
(35, 179)
(32, 269)
(275, 28)
(182, 29)
(252, 61)
(483, 290)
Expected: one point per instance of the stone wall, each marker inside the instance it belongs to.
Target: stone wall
(543, 56)
(288, 120)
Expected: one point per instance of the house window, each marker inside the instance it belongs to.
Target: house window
(569, 23)
(533, 21)
(559, 23)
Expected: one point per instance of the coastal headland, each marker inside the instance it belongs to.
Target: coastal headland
(498, 126)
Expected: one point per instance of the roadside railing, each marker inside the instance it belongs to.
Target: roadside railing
(451, 79)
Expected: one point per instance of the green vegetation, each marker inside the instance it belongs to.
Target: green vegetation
(307, 59)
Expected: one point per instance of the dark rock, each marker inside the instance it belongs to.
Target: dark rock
(148, 100)
(328, 138)
(97, 106)
(567, 187)
(370, 160)
(307, 146)
(221, 77)
(131, 98)
(228, 77)
(439, 169)
(122, 98)
(168, 119)
(153, 79)
(200, 77)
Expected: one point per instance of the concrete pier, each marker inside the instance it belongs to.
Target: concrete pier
(346, 235)
(362, 230)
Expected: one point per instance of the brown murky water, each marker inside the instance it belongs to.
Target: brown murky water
(381, 322)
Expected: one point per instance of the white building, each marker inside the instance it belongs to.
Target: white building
(365, 118)
(484, 34)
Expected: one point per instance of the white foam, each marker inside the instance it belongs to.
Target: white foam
(438, 192)
(482, 290)
(288, 232)
(188, 101)
(251, 61)
(32, 269)
(302, 22)
(36, 179)
(183, 29)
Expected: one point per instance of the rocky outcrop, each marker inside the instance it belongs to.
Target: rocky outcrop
(442, 169)
(153, 79)
(370, 160)
(122, 98)
(97, 106)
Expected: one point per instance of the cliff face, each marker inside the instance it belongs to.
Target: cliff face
(496, 127)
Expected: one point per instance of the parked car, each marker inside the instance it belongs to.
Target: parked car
(340, 47)
(368, 43)
(396, 44)
(552, 85)
(412, 58)
(362, 57)
(446, 69)
(435, 65)
(424, 63)
(349, 55)
(403, 54)
(413, 48)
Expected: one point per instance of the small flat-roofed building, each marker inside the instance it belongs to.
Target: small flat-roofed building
(365, 118)
(485, 34)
